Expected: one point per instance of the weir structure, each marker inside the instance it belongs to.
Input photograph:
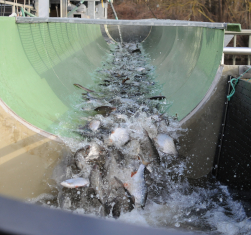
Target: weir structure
(41, 59)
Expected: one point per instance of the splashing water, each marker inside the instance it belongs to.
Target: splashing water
(126, 100)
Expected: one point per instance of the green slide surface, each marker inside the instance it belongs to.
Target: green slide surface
(41, 61)
(187, 59)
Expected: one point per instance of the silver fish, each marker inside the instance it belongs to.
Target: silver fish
(137, 186)
(76, 183)
(138, 189)
(165, 144)
(119, 137)
(140, 69)
(95, 152)
(149, 149)
(94, 125)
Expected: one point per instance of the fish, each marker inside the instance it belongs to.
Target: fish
(162, 125)
(80, 156)
(88, 133)
(119, 137)
(106, 83)
(123, 202)
(76, 183)
(115, 144)
(81, 87)
(137, 187)
(139, 69)
(118, 75)
(94, 125)
(136, 50)
(159, 97)
(96, 153)
(96, 183)
(118, 156)
(133, 83)
(104, 110)
(149, 149)
(132, 47)
(96, 97)
(165, 144)
(126, 79)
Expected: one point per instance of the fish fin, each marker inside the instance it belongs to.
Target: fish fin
(146, 163)
(119, 181)
(133, 173)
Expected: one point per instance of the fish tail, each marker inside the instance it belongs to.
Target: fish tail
(143, 162)
(146, 163)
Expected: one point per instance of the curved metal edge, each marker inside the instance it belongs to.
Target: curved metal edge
(25, 20)
(148, 34)
(48, 135)
(208, 95)
(21, 218)
(108, 34)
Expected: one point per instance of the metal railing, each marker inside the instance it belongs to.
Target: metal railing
(238, 50)
(15, 6)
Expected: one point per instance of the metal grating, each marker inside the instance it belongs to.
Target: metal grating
(234, 162)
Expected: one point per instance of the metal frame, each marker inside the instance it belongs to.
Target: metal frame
(238, 50)
(13, 4)
(22, 20)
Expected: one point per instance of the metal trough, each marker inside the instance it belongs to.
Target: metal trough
(42, 57)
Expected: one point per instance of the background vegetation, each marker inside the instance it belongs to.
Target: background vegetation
(232, 11)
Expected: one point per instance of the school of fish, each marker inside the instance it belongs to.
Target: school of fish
(127, 139)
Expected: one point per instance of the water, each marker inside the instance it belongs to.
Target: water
(126, 82)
